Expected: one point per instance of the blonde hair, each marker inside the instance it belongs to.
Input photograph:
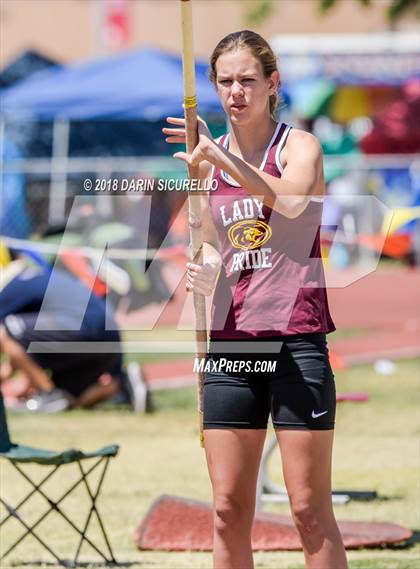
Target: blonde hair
(260, 49)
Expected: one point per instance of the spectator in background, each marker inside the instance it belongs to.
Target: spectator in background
(55, 309)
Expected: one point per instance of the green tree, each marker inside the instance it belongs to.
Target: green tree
(256, 11)
(396, 8)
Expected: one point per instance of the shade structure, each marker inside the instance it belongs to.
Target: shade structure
(25, 65)
(143, 84)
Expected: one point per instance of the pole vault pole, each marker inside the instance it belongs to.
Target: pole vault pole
(194, 199)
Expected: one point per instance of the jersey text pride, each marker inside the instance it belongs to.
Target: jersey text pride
(245, 235)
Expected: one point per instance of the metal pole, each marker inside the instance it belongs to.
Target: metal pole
(97, 23)
(58, 185)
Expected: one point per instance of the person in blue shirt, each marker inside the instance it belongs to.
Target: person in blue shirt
(42, 312)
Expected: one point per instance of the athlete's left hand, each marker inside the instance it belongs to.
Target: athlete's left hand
(202, 278)
(177, 135)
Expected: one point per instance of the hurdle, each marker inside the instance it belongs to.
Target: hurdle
(270, 491)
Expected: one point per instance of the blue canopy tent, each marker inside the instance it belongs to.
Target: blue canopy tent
(117, 102)
(25, 65)
(145, 84)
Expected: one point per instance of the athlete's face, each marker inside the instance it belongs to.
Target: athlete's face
(243, 90)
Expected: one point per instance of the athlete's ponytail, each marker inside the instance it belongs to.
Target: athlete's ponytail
(246, 39)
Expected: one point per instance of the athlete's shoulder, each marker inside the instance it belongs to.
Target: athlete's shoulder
(303, 141)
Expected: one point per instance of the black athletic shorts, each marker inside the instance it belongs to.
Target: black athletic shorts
(295, 385)
(73, 372)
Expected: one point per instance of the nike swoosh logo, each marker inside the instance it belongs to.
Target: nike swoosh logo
(316, 415)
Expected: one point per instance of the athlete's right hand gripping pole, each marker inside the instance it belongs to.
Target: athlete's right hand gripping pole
(194, 208)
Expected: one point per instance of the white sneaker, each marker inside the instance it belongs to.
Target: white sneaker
(53, 401)
(137, 387)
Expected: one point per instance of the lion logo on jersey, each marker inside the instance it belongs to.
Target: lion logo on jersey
(249, 234)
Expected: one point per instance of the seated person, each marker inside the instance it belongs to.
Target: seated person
(74, 356)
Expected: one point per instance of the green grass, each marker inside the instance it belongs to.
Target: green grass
(161, 334)
(344, 333)
(376, 447)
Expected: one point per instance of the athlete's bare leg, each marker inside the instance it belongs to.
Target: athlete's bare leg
(306, 459)
(233, 458)
(19, 360)
(96, 393)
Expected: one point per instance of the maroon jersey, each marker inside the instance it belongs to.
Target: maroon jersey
(272, 279)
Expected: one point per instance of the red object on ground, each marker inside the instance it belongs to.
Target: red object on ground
(177, 524)
(396, 245)
(357, 397)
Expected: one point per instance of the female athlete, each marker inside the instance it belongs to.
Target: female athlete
(261, 256)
